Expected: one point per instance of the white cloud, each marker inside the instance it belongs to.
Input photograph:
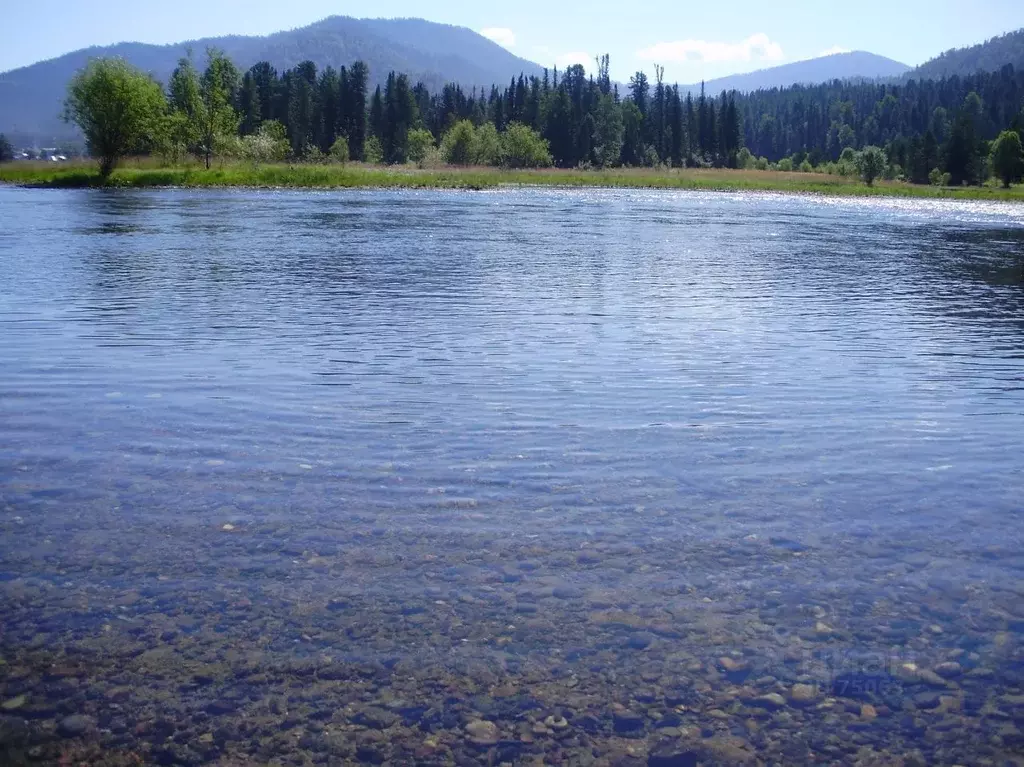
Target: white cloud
(757, 47)
(564, 60)
(503, 36)
(834, 50)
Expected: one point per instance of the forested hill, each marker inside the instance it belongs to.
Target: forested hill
(855, 65)
(989, 56)
(31, 97)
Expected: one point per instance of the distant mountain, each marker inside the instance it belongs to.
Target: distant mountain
(31, 97)
(856, 65)
(989, 56)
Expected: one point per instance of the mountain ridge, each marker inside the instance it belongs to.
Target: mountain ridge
(851, 65)
(989, 56)
(31, 96)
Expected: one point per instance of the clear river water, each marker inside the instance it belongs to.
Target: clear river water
(527, 476)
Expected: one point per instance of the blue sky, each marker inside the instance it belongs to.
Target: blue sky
(692, 40)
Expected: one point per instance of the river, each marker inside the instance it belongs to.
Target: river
(601, 477)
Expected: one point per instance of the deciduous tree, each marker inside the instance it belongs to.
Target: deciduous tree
(118, 108)
(458, 143)
(217, 118)
(420, 142)
(523, 147)
(871, 162)
(1008, 157)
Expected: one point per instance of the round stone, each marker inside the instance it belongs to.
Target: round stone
(803, 694)
(482, 733)
(75, 725)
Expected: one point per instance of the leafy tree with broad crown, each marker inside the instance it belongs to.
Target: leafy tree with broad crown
(217, 118)
(486, 146)
(458, 143)
(1008, 157)
(118, 108)
(6, 150)
(871, 162)
(419, 143)
(182, 133)
(339, 150)
(523, 147)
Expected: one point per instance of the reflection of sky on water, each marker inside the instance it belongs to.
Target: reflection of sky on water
(611, 429)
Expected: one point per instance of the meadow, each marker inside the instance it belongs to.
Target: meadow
(145, 172)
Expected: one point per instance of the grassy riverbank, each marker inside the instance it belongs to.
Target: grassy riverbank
(356, 175)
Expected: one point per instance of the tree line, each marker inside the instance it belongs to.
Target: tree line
(583, 119)
(946, 130)
(947, 124)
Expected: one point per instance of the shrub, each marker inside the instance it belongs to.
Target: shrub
(806, 167)
(339, 150)
(373, 152)
(523, 147)
(419, 142)
(229, 146)
(937, 178)
(762, 163)
(486, 145)
(458, 143)
(313, 155)
(266, 145)
(274, 129)
(871, 163)
(785, 164)
(744, 159)
(432, 158)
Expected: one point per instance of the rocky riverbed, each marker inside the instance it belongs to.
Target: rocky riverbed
(275, 644)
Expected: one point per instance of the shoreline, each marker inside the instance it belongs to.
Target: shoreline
(359, 176)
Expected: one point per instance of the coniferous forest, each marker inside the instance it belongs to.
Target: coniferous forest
(923, 131)
(587, 120)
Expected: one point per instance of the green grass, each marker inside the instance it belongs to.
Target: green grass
(146, 173)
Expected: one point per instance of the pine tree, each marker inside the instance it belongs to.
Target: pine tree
(355, 108)
(558, 128)
(265, 85)
(302, 108)
(585, 140)
(632, 134)
(328, 109)
(703, 126)
(376, 124)
(250, 104)
(676, 129)
(6, 150)
(692, 131)
(604, 80)
(639, 91)
(961, 151)
(658, 117)
(400, 115)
